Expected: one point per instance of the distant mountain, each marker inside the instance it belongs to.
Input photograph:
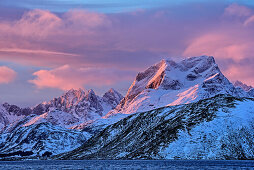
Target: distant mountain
(48, 126)
(69, 110)
(85, 105)
(248, 89)
(10, 114)
(220, 127)
(242, 85)
(75, 107)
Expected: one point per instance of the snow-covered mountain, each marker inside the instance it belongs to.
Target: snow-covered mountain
(69, 110)
(248, 89)
(10, 114)
(251, 92)
(216, 128)
(173, 83)
(170, 83)
(85, 105)
(48, 126)
(75, 107)
(242, 85)
(110, 118)
(41, 138)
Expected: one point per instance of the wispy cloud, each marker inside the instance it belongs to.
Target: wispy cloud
(27, 51)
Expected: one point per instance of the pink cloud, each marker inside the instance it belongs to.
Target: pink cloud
(7, 75)
(67, 77)
(45, 39)
(240, 72)
(238, 10)
(40, 37)
(37, 23)
(126, 41)
(222, 45)
(83, 19)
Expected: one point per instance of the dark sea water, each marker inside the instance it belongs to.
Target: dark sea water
(125, 164)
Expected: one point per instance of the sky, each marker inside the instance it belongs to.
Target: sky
(50, 46)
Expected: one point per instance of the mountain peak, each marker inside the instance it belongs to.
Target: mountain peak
(112, 97)
(171, 82)
(111, 90)
(242, 85)
(74, 93)
(165, 74)
(200, 64)
(91, 92)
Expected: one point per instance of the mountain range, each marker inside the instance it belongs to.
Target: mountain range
(171, 111)
(50, 123)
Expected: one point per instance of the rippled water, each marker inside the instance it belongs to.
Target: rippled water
(126, 164)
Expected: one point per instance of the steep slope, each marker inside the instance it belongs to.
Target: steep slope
(216, 128)
(173, 83)
(40, 138)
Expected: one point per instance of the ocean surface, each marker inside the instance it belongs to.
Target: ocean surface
(125, 164)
